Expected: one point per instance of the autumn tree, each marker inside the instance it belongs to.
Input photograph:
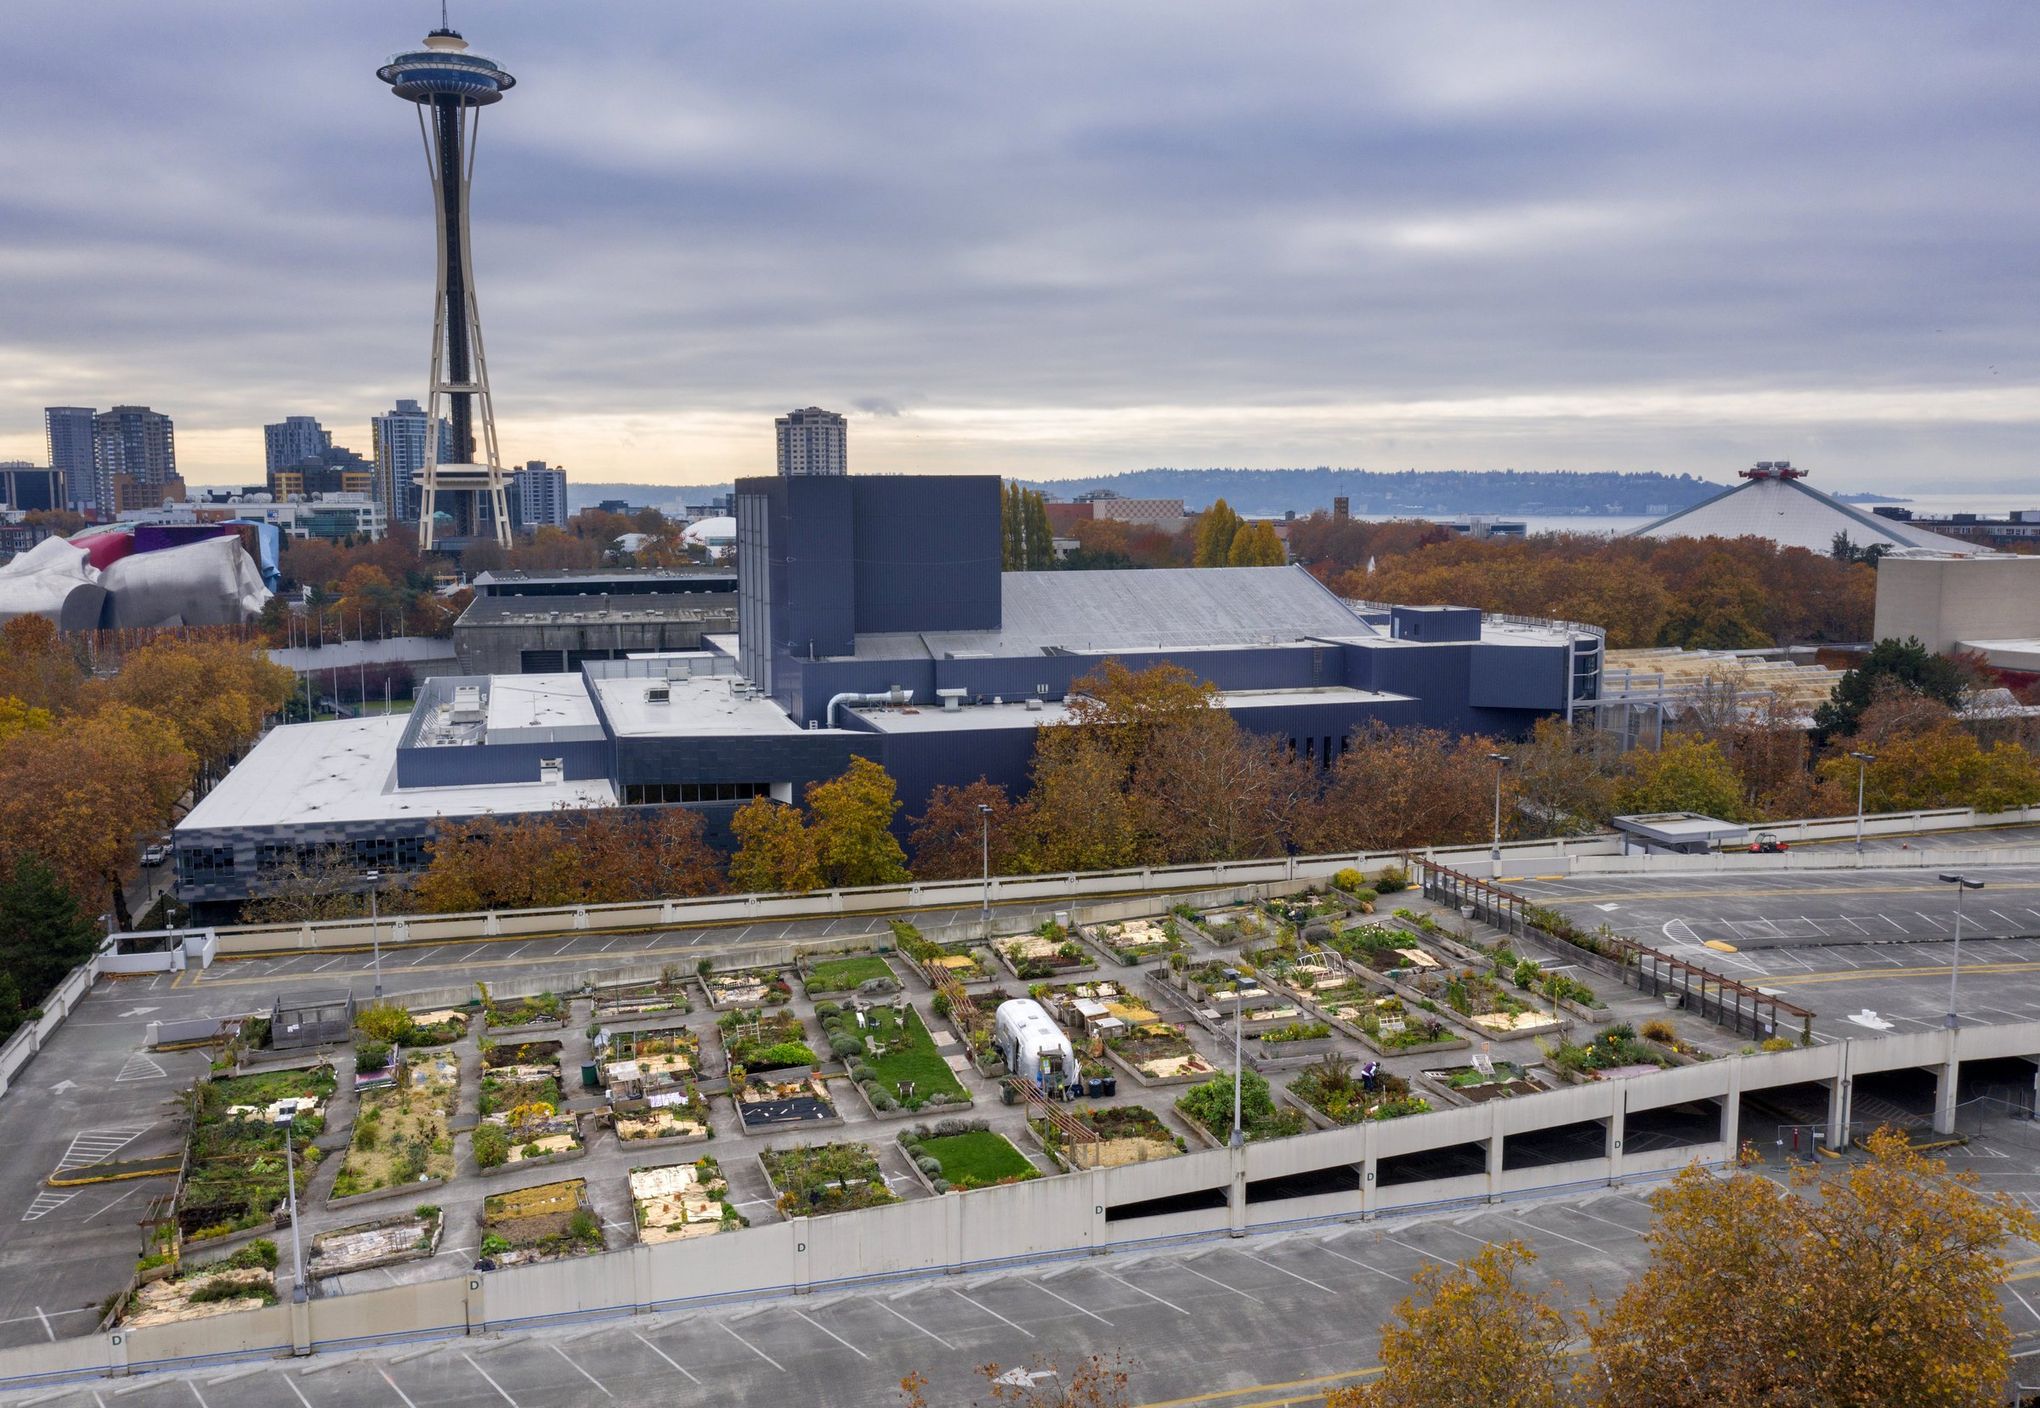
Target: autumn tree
(17, 717)
(37, 667)
(1471, 1334)
(1255, 545)
(595, 855)
(949, 837)
(1876, 1285)
(1078, 816)
(775, 849)
(1212, 794)
(1216, 527)
(850, 820)
(1686, 774)
(1560, 780)
(1904, 664)
(82, 796)
(1029, 543)
(663, 855)
(1940, 766)
(318, 883)
(215, 693)
(1399, 787)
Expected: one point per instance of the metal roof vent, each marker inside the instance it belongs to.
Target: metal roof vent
(659, 694)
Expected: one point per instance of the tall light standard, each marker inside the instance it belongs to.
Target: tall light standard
(1961, 883)
(374, 877)
(286, 1114)
(1500, 760)
(1863, 762)
(985, 859)
(1239, 1005)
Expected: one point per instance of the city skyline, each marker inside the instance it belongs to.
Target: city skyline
(1592, 238)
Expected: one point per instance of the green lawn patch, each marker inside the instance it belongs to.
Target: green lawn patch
(845, 974)
(893, 1048)
(978, 1159)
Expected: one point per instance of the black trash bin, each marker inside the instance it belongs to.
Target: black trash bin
(1094, 1086)
(1110, 1084)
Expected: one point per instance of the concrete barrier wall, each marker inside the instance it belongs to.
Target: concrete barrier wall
(214, 1338)
(29, 1038)
(420, 1311)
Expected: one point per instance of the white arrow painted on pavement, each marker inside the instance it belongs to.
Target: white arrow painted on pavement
(139, 1011)
(1024, 1378)
(63, 1085)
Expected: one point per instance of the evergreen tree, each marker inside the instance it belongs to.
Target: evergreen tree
(1905, 663)
(1215, 530)
(1040, 538)
(43, 934)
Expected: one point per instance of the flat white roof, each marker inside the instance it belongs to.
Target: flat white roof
(697, 704)
(346, 770)
(539, 701)
(1014, 713)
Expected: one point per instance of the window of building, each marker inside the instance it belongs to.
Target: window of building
(206, 860)
(652, 794)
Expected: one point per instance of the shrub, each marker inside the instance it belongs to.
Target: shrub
(1779, 1043)
(946, 1128)
(940, 1004)
(880, 1098)
(493, 1245)
(371, 1055)
(384, 1022)
(1392, 879)
(784, 1053)
(492, 1146)
(1527, 973)
(583, 1227)
(1349, 879)
(845, 1045)
(826, 1010)
(1658, 1029)
(928, 1165)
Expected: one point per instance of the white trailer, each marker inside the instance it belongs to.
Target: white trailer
(1032, 1044)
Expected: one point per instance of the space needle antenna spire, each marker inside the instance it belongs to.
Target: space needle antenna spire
(449, 86)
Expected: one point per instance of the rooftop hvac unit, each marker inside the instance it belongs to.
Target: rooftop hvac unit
(1033, 706)
(659, 694)
(467, 704)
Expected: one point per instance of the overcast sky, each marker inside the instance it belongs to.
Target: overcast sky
(1056, 238)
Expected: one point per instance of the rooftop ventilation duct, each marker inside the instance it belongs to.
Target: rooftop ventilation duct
(952, 699)
(895, 696)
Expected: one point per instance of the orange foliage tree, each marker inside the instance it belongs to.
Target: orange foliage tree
(1408, 787)
(949, 837)
(592, 856)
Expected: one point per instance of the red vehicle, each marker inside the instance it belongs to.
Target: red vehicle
(1768, 844)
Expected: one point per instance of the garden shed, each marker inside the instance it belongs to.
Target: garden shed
(317, 1019)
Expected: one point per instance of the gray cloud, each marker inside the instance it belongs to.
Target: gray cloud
(1056, 238)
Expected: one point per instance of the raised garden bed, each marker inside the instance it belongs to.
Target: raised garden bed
(763, 1039)
(823, 977)
(1049, 952)
(666, 994)
(1127, 1134)
(235, 1172)
(1502, 1080)
(813, 1180)
(519, 1073)
(366, 1245)
(1610, 1054)
(959, 962)
(764, 1103)
(534, 1013)
(1296, 1039)
(1208, 1109)
(890, 1054)
(549, 1222)
(401, 1139)
(1083, 1005)
(246, 1280)
(958, 1155)
(397, 1026)
(1207, 984)
(1133, 942)
(1157, 1054)
(681, 1201)
(650, 1077)
(1483, 1004)
(746, 987)
(524, 1137)
(1238, 924)
(1331, 1094)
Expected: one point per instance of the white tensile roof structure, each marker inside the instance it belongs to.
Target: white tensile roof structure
(1774, 503)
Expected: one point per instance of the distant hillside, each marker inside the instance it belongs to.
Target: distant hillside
(1446, 492)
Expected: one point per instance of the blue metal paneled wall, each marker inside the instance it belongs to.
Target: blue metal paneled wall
(928, 551)
(797, 758)
(1520, 676)
(921, 762)
(488, 763)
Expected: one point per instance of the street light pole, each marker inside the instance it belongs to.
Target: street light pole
(985, 858)
(1863, 761)
(1500, 760)
(297, 1246)
(1239, 1005)
(375, 930)
(1961, 883)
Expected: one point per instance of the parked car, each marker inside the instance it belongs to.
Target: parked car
(156, 854)
(1768, 844)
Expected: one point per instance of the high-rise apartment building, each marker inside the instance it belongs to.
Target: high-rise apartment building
(812, 441)
(538, 496)
(69, 433)
(134, 459)
(397, 439)
(294, 440)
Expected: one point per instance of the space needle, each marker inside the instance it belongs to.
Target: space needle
(450, 87)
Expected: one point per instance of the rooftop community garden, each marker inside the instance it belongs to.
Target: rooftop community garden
(1330, 1086)
(1119, 1134)
(891, 1055)
(961, 962)
(766, 1101)
(680, 1201)
(235, 1174)
(763, 1039)
(401, 1132)
(825, 976)
(244, 1280)
(1615, 1051)
(538, 1010)
(1481, 999)
(1210, 1107)
(546, 1223)
(395, 1026)
(1078, 1004)
(1533, 977)
(1238, 924)
(519, 1073)
(746, 987)
(1048, 952)
(1486, 1080)
(815, 1179)
(956, 1154)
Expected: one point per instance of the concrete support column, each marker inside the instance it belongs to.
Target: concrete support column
(1618, 1118)
(1947, 1081)
(1839, 1100)
(300, 1324)
(1370, 1197)
(799, 1278)
(117, 1353)
(1494, 1151)
(1731, 1109)
(477, 1305)
(640, 1278)
(1094, 1187)
(1236, 1193)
